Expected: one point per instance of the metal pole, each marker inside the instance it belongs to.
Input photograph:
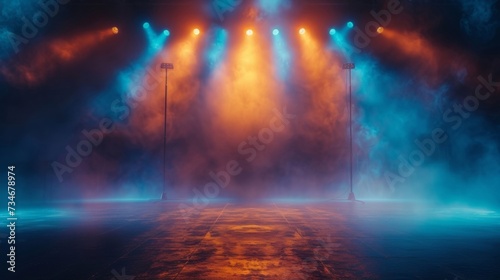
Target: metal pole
(350, 130)
(350, 66)
(165, 66)
(165, 139)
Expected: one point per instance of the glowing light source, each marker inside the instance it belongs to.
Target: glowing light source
(302, 31)
(350, 24)
(333, 31)
(380, 30)
(166, 32)
(145, 25)
(196, 31)
(249, 32)
(282, 56)
(114, 30)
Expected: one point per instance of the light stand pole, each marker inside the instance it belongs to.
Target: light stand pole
(349, 67)
(166, 66)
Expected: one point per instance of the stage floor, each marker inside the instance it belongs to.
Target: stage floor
(285, 240)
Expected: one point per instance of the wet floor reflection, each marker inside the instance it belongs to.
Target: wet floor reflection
(272, 242)
(153, 240)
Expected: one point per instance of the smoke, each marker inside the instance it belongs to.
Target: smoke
(273, 7)
(15, 9)
(397, 109)
(11, 13)
(43, 59)
(215, 111)
(219, 101)
(227, 90)
(477, 19)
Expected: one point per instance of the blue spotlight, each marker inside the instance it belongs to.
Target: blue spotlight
(350, 24)
(166, 32)
(276, 32)
(333, 31)
(145, 25)
(282, 55)
(217, 50)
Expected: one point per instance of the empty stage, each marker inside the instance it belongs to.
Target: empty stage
(272, 240)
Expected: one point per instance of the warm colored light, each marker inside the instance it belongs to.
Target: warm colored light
(114, 30)
(166, 32)
(276, 32)
(333, 31)
(350, 24)
(145, 25)
(196, 31)
(302, 31)
(380, 30)
(249, 32)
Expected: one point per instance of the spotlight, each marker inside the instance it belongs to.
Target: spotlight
(276, 32)
(380, 30)
(166, 32)
(333, 31)
(302, 31)
(196, 31)
(350, 24)
(249, 32)
(114, 30)
(145, 25)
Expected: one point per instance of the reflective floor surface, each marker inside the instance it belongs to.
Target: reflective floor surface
(285, 240)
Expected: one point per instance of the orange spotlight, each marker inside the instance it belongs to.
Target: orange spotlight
(249, 32)
(302, 31)
(114, 30)
(380, 30)
(196, 31)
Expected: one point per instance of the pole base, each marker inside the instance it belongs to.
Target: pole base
(164, 196)
(351, 196)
